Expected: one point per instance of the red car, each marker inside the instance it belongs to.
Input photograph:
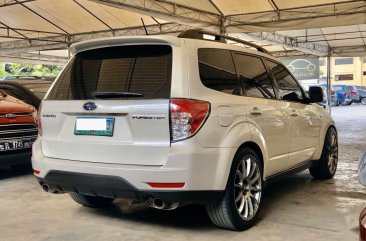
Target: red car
(18, 130)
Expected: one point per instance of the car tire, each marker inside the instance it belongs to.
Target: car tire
(326, 166)
(363, 100)
(238, 209)
(91, 201)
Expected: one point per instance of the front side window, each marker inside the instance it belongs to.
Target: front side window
(217, 70)
(121, 72)
(254, 76)
(288, 88)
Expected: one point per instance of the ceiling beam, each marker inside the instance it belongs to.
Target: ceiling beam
(319, 16)
(169, 11)
(13, 2)
(33, 58)
(63, 42)
(41, 16)
(285, 41)
(91, 13)
(29, 31)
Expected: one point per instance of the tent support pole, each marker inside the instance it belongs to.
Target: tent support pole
(328, 83)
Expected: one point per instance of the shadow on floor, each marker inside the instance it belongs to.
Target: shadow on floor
(194, 217)
(10, 172)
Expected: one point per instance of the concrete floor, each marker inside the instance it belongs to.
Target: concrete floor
(297, 208)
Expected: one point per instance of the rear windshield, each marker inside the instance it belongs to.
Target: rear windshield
(143, 71)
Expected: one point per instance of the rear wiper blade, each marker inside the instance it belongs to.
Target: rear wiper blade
(115, 94)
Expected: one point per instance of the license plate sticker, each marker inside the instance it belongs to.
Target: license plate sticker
(94, 126)
(15, 145)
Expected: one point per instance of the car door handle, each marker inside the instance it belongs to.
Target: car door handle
(255, 111)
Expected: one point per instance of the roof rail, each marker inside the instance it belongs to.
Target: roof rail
(199, 34)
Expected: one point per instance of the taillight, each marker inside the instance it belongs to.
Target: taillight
(332, 92)
(39, 123)
(353, 92)
(186, 117)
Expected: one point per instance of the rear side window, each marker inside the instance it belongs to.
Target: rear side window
(254, 76)
(348, 88)
(217, 70)
(143, 69)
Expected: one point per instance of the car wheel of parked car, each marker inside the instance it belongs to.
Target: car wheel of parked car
(91, 201)
(363, 101)
(326, 167)
(346, 103)
(240, 206)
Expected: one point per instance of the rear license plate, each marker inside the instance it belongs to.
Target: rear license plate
(94, 126)
(15, 145)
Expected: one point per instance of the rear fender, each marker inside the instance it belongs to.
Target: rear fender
(239, 133)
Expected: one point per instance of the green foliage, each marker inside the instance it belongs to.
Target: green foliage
(2, 72)
(29, 70)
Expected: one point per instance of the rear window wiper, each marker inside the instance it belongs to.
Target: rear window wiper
(115, 94)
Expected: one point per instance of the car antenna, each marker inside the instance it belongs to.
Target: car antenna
(143, 24)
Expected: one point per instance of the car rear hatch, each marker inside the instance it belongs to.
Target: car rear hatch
(111, 105)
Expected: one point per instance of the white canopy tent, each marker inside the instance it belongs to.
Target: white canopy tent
(29, 29)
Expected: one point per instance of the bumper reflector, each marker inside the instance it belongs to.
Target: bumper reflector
(166, 185)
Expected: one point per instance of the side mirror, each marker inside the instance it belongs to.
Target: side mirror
(316, 94)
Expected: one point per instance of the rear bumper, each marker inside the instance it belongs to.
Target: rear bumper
(117, 187)
(15, 158)
(204, 172)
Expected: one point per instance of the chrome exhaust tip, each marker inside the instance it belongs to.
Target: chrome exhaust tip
(45, 187)
(157, 203)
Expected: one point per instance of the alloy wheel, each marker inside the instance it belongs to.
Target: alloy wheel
(333, 153)
(248, 187)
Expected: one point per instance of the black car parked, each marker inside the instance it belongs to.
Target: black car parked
(28, 90)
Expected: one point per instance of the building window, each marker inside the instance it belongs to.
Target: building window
(321, 62)
(364, 73)
(364, 60)
(343, 77)
(343, 61)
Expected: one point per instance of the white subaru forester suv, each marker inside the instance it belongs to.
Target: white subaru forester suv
(176, 120)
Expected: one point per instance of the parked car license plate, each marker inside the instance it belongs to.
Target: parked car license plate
(94, 126)
(15, 144)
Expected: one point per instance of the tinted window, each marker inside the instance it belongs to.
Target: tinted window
(343, 77)
(343, 61)
(254, 76)
(143, 69)
(321, 62)
(288, 88)
(217, 70)
(349, 87)
(38, 89)
(337, 87)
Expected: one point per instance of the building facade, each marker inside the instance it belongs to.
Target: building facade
(345, 70)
